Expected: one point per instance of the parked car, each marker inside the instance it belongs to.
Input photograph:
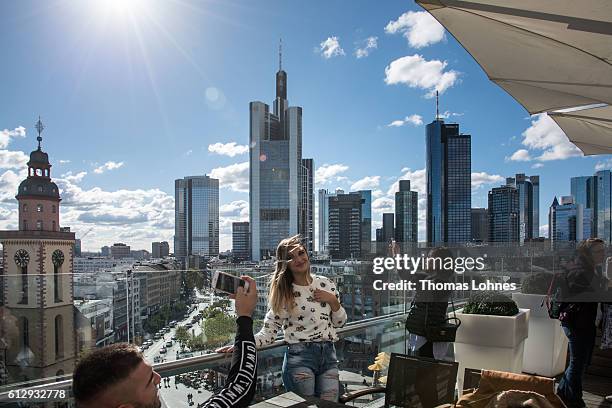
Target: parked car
(157, 336)
(162, 350)
(169, 343)
(144, 347)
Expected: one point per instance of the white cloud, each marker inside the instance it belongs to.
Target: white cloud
(230, 149)
(6, 135)
(544, 135)
(370, 43)
(235, 176)
(329, 172)
(414, 119)
(537, 166)
(366, 183)
(396, 123)
(331, 48)
(417, 72)
(63, 161)
(109, 165)
(377, 193)
(544, 231)
(482, 178)
(520, 155)
(448, 114)
(74, 178)
(13, 159)
(419, 28)
(603, 165)
(190, 151)
(383, 204)
(418, 181)
(234, 209)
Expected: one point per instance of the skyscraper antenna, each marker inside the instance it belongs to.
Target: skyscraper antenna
(280, 55)
(437, 107)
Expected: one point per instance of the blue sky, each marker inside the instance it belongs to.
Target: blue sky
(137, 93)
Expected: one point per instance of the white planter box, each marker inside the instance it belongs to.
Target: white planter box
(546, 348)
(491, 342)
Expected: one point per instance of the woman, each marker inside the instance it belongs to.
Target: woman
(429, 308)
(307, 310)
(579, 316)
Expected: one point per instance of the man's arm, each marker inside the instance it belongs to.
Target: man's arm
(240, 385)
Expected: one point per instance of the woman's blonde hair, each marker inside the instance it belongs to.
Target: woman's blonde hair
(281, 284)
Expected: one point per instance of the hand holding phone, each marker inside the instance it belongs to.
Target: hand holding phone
(224, 282)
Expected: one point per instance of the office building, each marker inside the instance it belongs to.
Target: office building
(120, 250)
(406, 213)
(160, 249)
(388, 227)
(529, 205)
(480, 225)
(278, 207)
(366, 221)
(240, 241)
(504, 214)
(568, 221)
(594, 192)
(196, 217)
(449, 197)
(345, 226)
(306, 226)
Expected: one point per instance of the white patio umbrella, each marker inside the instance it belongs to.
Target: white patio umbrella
(589, 129)
(548, 55)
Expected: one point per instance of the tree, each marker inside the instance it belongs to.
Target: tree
(182, 334)
(219, 330)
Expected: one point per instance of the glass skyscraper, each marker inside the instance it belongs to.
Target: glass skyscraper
(595, 193)
(196, 216)
(529, 205)
(568, 221)
(345, 225)
(449, 198)
(504, 214)
(406, 213)
(278, 198)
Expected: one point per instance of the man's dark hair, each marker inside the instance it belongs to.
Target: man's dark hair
(103, 368)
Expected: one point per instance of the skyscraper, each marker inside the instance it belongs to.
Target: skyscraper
(277, 193)
(323, 233)
(449, 198)
(307, 203)
(160, 249)
(529, 202)
(504, 214)
(366, 221)
(196, 216)
(240, 241)
(480, 225)
(568, 221)
(406, 213)
(345, 226)
(388, 227)
(595, 192)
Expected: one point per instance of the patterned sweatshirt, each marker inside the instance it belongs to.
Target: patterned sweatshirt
(309, 320)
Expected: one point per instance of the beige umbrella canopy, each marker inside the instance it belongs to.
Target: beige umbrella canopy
(589, 129)
(548, 55)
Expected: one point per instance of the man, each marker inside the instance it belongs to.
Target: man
(117, 376)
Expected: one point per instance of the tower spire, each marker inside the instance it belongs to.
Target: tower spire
(39, 127)
(437, 107)
(280, 54)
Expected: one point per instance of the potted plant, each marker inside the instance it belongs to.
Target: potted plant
(546, 348)
(492, 334)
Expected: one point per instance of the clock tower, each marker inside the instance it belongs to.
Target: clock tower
(37, 279)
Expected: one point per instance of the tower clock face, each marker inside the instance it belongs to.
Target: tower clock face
(57, 257)
(22, 258)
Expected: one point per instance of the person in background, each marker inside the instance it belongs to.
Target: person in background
(117, 376)
(578, 318)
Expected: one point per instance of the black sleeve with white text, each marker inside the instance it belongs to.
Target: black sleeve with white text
(240, 385)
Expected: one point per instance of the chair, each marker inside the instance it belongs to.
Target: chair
(416, 382)
(471, 378)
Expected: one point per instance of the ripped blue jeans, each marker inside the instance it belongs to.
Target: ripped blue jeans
(311, 369)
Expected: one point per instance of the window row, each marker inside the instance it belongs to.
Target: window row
(39, 208)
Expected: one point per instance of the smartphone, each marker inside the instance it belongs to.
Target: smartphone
(224, 282)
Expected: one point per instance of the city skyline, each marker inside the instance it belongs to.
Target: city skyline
(133, 103)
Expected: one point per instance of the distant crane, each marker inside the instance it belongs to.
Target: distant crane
(86, 232)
